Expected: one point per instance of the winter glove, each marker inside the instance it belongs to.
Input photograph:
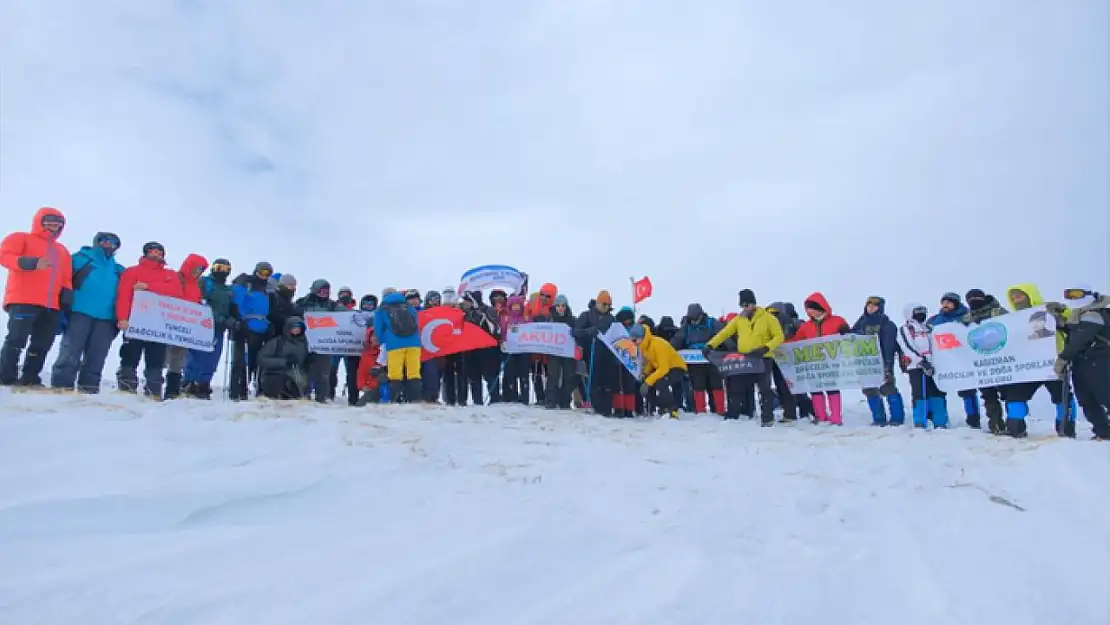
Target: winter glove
(645, 388)
(31, 263)
(1056, 309)
(504, 349)
(845, 331)
(888, 376)
(65, 300)
(928, 368)
(705, 351)
(903, 363)
(1061, 368)
(758, 352)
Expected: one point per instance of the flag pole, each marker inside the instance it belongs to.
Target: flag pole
(632, 281)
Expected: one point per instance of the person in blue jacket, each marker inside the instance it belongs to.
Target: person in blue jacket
(874, 321)
(91, 325)
(397, 329)
(249, 326)
(953, 310)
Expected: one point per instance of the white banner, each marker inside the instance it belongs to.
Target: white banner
(831, 363)
(337, 333)
(171, 321)
(1013, 348)
(693, 357)
(618, 342)
(550, 339)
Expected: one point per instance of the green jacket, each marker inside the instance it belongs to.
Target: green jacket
(217, 295)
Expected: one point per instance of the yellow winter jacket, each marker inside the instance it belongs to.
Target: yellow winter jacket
(659, 357)
(762, 330)
(1036, 299)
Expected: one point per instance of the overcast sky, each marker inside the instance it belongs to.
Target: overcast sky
(898, 149)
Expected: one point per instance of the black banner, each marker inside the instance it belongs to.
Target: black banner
(731, 363)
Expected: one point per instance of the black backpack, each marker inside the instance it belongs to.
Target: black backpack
(402, 322)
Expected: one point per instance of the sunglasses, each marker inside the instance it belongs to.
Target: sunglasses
(1076, 293)
(873, 301)
(221, 268)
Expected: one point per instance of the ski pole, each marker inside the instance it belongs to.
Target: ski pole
(227, 355)
(1065, 414)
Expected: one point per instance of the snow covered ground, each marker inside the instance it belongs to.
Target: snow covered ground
(117, 510)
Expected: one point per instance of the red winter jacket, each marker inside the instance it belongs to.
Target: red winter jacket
(158, 280)
(831, 324)
(366, 363)
(36, 287)
(190, 282)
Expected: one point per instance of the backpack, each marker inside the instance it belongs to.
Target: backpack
(402, 322)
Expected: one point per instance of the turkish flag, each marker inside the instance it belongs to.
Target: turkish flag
(641, 290)
(443, 332)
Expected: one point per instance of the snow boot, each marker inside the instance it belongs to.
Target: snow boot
(413, 391)
(995, 422)
(1066, 429)
(820, 409)
(202, 390)
(1016, 411)
(897, 409)
(836, 414)
(173, 385)
(878, 410)
(938, 406)
(396, 391)
(921, 413)
(971, 409)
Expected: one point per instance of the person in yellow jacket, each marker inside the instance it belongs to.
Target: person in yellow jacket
(666, 367)
(1021, 297)
(758, 333)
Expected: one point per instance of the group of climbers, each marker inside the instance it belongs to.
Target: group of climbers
(89, 297)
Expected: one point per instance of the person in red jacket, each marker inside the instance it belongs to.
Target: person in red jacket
(191, 270)
(369, 369)
(822, 322)
(150, 274)
(40, 284)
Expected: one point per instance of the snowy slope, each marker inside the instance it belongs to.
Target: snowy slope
(115, 510)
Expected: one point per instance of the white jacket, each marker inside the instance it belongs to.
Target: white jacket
(915, 339)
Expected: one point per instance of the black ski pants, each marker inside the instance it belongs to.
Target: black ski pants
(454, 381)
(562, 378)
(153, 356)
(744, 385)
(1089, 374)
(244, 362)
(31, 328)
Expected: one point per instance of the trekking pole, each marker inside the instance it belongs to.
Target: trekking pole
(227, 356)
(1065, 414)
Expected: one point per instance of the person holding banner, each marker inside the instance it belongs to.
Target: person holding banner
(982, 308)
(757, 334)
(874, 321)
(666, 366)
(694, 332)
(562, 373)
(601, 365)
(517, 370)
(915, 338)
(827, 406)
(190, 272)
(149, 274)
(319, 365)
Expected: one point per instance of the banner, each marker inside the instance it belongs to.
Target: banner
(692, 357)
(337, 333)
(616, 339)
(1013, 348)
(550, 339)
(831, 363)
(171, 321)
(731, 364)
(492, 277)
(443, 332)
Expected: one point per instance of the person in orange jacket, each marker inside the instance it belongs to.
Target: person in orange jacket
(827, 407)
(191, 270)
(40, 286)
(369, 370)
(538, 309)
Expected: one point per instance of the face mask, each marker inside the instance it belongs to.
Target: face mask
(919, 317)
(219, 276)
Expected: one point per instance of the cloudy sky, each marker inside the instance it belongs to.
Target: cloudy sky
(853, 147)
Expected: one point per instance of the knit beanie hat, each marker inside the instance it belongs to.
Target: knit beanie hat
(560, 300)
(975, 295)
(951, 297)
(288, 281)
(319, 284)
(747, 297)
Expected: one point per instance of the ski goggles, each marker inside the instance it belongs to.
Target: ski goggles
(874, 301)
(221, 268)
(155, 251)
(920, 310)
(264, 273)
(107, 238)
(53, 220)
(1077, 293)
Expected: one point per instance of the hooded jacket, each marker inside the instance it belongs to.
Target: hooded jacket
(989, 309)
(96, 277)
(915, 339)
(286, 354)
(512, 315)
(696, 329)
(1033, 294)
(217, 295)
(190, 285)
(761, 330)
(382, 327)
(660, 357)
(536, 307)
(828, 325)
(19, 253)
(956, 316)
(880, 324)
(158, 278)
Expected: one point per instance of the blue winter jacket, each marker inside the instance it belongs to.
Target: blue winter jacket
(96, 281)
(381, 325)
(941, 318)
(253, 303)
(880, 324)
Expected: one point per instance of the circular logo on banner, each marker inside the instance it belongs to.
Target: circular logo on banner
(989, 338)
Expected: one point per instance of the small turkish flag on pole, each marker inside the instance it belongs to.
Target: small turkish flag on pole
(641, 289)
